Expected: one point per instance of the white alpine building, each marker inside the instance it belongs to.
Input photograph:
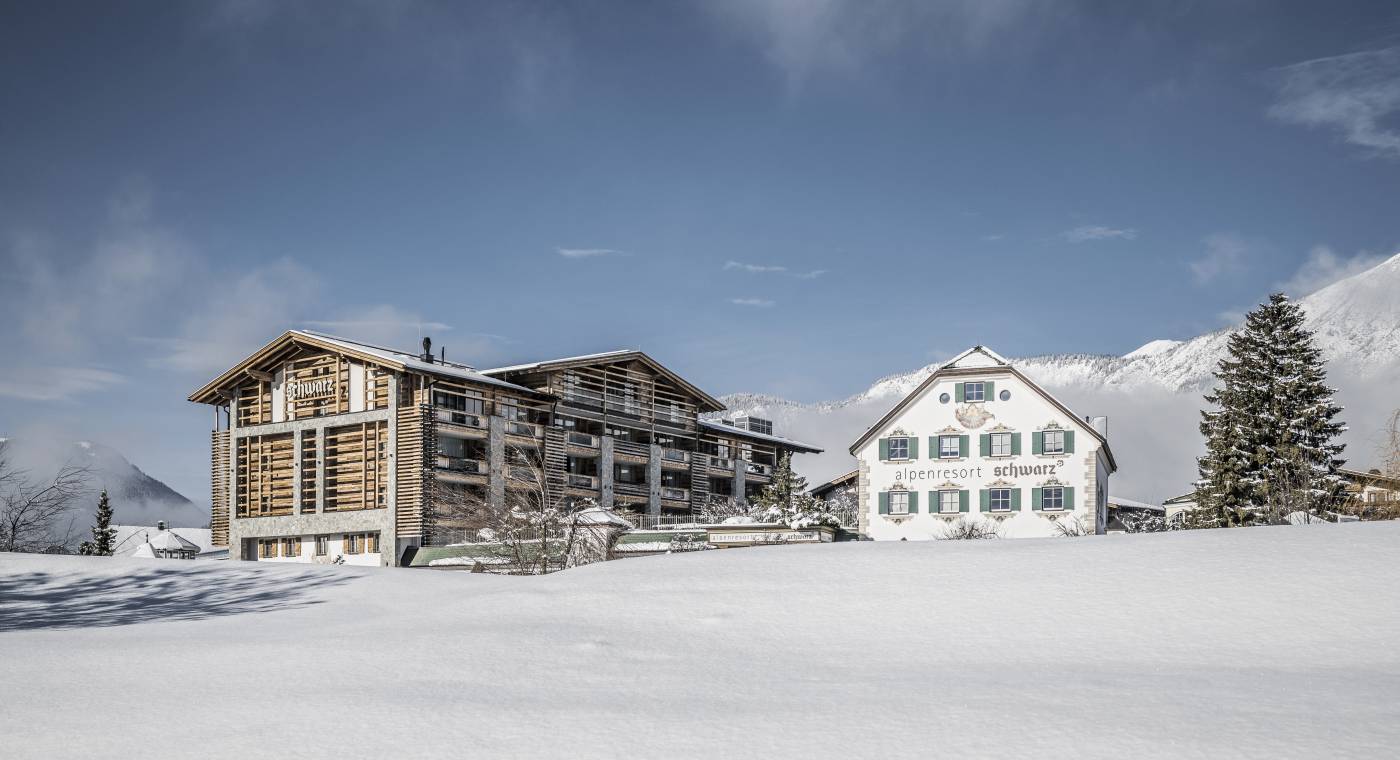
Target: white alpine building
(979, 442)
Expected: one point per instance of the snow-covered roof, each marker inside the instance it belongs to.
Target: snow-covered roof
(413, 361)
(566, 360)
(601, 516)
(167, 540)
(144, 551)
(743, 433)
(1134, 504)
(129, 538)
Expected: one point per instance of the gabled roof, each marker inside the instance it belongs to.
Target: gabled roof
(798, 446)
(708, 403)
(387, 357)
(835, 483)
(996, 363)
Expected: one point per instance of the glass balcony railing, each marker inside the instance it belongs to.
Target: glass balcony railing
(461, 464)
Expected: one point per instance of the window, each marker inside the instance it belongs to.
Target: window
(948, 502)
(999, 499)
(1001, 444)
(974, 392)
(321, 546)
(352, 543)
(1053, 442)
(899, 448)
(899, 502)
(371, 543)
(267, 548)
(1052, 498)
(291, 547)
(949, 447)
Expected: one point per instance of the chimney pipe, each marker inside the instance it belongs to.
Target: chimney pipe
(160, 525)
(428, 350)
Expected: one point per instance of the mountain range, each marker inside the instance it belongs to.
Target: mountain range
(1152, 395)
(136, 497)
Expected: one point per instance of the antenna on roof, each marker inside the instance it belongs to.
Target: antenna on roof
(428, 350)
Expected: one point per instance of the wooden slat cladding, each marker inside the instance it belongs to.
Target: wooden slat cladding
(416, 443)
(356, 464)
(264, 472)
(218, 480)
(254, 403)
(631, 389)
(308, 472)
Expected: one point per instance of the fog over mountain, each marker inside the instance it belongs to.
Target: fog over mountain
(1152, 395)
(136, 498)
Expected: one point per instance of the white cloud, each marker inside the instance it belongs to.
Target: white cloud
(1098, 232)
(43, 383)
(1324, 267)
(761, 303)
(588, 253)
(812, 275)
(752, 267)
(805, 39)
(1354, 93)
(1225, 253)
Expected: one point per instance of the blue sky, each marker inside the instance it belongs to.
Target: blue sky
(768, 195)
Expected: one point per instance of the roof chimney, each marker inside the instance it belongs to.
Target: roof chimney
(160, 525)
(428, 350)
(1100, 425)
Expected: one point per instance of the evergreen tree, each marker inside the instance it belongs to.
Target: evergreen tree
(1271, 441)
(102, 533)
(784, 490)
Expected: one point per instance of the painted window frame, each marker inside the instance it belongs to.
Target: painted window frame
(957, 446)
(992, 444)
(1045, 442)
(992, 499)
(902, 498)
(903, 440)
(981, 391)
(1058, 500)
(943, 495)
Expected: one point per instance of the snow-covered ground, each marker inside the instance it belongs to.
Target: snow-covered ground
(1261, 642)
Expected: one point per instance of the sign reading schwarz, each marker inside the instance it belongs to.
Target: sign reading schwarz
(302, 390)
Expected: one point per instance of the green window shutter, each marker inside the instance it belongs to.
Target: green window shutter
(1037, 445)
(958, 393)
(985, 441)
(1069, 498)
(884, 502)
(933, 447)
(884, 449)
(913, 502)
(984, 498)
(1035, 498)
(913, 447)
(990, 388)
(962, 501)
(1015, 500)
(1016, 444)
(1069, 441)
(962, 446)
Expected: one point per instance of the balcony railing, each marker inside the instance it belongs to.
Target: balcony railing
(583, 481)
(675, 455)
(722, 463)
(461, 418)
(583, 439)
(754, 468)
(461, 464)
(527, 429)
(631, 489)
(676, 494)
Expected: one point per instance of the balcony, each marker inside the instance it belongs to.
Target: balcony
(524, 429)
(583, 481)
(464, 419)
(753, 468)
(582, 439)
(721, 463)
(675, 456)
(675, 494)
(631, 489)
(461, 465)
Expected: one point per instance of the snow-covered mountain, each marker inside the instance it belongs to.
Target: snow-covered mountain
(1152, 395)
(136, 498)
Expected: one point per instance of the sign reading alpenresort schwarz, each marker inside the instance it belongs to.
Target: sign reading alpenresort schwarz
(1041, 468)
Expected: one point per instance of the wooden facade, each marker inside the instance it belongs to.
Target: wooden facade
(329, 438)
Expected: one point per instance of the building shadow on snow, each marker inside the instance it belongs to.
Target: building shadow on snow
(57, 601)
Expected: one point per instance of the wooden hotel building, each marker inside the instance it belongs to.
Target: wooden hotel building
(327, 448)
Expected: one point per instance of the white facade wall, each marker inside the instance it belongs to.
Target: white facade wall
(335, 547)
(1025, 412)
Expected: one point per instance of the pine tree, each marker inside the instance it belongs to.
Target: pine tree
(102, 533)
(1271, 441)
(783, 490)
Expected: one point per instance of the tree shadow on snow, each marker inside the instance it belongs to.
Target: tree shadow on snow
(57, 601)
